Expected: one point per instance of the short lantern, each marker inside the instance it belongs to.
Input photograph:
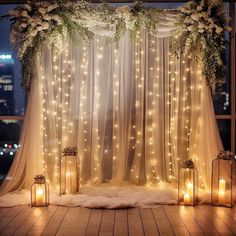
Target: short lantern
(223, 180)
(70, 174)
(39, 192)
(188, 184)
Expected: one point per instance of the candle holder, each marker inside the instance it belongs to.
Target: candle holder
(223, 180)
(39, 192)
(70, 174)
(188, 184)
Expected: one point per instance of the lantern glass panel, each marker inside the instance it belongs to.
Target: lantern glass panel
(223, 182)
(69, 174)
(188, 186)
(39, 194)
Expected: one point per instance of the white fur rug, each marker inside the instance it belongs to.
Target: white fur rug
(107, 196)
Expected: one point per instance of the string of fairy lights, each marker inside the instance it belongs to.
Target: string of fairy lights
(151, 97)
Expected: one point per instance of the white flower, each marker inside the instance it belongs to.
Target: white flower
(24, 13)
(123, 9)
(199, 8)
(45, 25)
(47, 17)
(23, 25)
(52, 7)
(219, 30)
(195, 16)
(39, 28)
(190, 28)
(42, 10)
(33, 33)
(27, 7)
(200, 30)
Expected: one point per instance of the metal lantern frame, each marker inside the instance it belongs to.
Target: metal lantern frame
(69, 155)
(41, 185)
(225, 170)
(187, 168)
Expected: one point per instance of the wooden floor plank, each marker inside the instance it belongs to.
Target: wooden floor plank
(149, 223)
(4, 211)
(39, 226)
(17, 220)
(228, 219)
(75, 222)
(176, 222)
(202, 221)
(107, 224)
(26, 225)
(55, 221)
(121, 223)
(162, 222)
(135, 222)
(94, 222)
(189, 221)
(219, 224)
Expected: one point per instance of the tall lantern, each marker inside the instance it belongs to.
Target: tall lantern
(188, 184)
(223, 181)
(39, 192)
(70, 176)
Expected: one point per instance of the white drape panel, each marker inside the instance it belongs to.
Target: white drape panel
(134, 111)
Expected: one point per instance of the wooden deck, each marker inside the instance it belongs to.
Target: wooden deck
(162, 220)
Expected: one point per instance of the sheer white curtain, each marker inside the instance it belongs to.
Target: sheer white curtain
(134, 111)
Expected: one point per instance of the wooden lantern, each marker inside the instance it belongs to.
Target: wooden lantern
(223, 180)
(39, 192)
(188, 184)
(70, 176)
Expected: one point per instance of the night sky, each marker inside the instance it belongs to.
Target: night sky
(5, 47)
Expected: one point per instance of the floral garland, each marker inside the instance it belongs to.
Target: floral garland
(201, 28)
(225, 155)
(37, 22)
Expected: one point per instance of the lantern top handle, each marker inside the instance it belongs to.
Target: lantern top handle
(39, 179)
(188, 164)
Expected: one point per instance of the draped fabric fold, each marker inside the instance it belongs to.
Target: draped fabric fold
(134, 110)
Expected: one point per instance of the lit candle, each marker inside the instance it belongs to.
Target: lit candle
(39, 195)
(186, 198)
(221, 190)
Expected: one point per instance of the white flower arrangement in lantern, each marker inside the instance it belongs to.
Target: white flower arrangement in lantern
(70, 174)
(39, 192)
(188, 184)
(223, 181)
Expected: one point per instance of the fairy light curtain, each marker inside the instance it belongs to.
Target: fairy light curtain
(134, 110)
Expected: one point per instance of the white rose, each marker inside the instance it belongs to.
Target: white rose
(33, 33)
(39, 28)
(195, 16)
(200, 30)
(190, 28)
(47, 17)
(45, 25)
(23, 25)
(219, 30)
(52, 7)
(24, 13)
(123, 9)
(42, 10)
(27, 7)
(199, 8)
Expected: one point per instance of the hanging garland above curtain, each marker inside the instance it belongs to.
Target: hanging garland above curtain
(200, 26)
